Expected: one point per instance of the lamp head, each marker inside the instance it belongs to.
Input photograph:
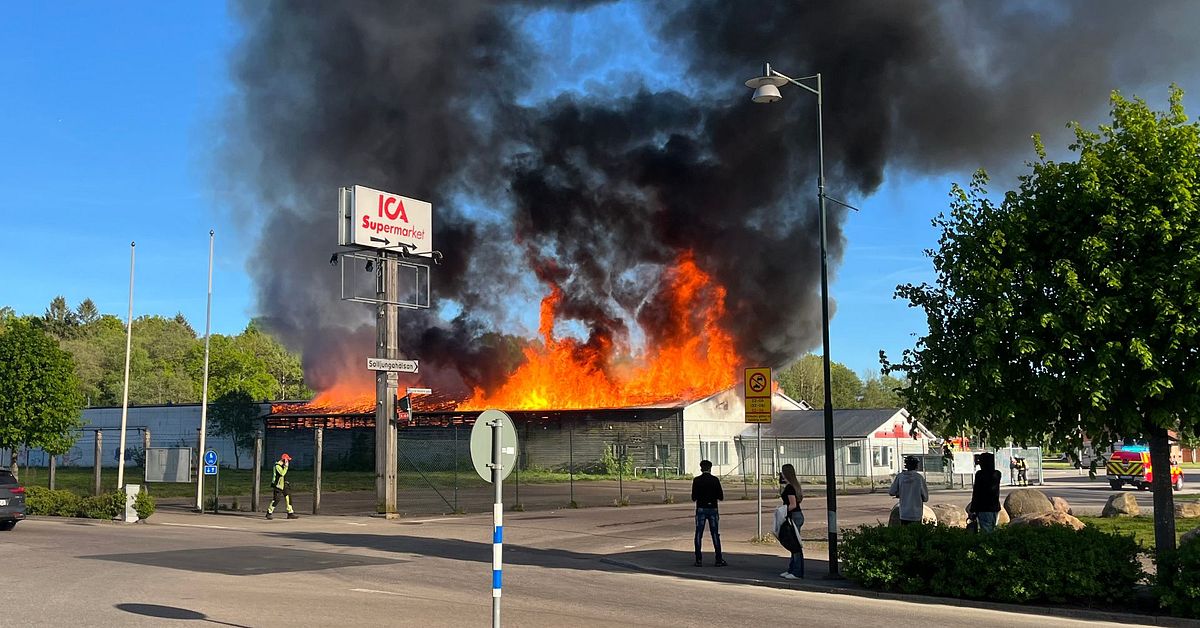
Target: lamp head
(766, 88)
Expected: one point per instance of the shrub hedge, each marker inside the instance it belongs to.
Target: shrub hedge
(1177, 584)
(62, 503)
(144, 505)
(1012, 564)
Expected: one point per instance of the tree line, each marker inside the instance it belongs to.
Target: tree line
(804, 380)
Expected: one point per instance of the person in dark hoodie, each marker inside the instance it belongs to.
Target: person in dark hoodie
(985, 494)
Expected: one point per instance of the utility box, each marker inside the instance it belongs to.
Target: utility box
(131, 493)
(168, 464)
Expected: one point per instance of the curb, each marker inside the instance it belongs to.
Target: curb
(1050, 611)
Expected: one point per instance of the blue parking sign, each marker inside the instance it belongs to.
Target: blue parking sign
(210, 457)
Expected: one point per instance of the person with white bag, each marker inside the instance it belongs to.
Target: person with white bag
(790, 521)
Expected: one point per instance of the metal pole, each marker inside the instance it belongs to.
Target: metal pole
(318, 449)
(571, 460)
(830, 482)
(456, 468)
(757, 476)
(96, 463)
(53, 465)
(204, 386)
(497, 523)
(125, 394)
(145, 450)
(256, 479)
(386, 460)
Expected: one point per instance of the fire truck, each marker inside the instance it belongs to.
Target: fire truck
(1131, 465)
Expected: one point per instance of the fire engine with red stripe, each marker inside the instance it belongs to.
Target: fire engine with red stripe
(1131, 465)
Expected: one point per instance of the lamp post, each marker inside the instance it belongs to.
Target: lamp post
(766, 90)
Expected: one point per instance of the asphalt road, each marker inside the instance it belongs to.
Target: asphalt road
(361, 571)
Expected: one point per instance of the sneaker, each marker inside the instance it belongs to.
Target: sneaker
(788, 575)
(270, 516)
(699, 563)
(721, 563)
(292, 515)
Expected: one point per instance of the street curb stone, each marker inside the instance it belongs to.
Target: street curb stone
(1066, 613)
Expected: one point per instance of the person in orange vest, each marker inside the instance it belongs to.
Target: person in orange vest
(280, 487)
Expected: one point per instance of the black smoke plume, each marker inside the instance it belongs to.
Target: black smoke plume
(598, 193)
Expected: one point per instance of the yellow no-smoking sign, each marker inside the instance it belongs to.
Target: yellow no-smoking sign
(758, 395)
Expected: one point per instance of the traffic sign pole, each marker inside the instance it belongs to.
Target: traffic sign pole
(497, 521)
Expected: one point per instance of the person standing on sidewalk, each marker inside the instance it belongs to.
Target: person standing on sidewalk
(281, 488)
(706, 492)
(910, 487)
(792, 495)
(985, 494)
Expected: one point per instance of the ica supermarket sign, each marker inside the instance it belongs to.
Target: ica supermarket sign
(382, 220)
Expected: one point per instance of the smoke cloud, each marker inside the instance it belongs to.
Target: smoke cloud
(598, 192)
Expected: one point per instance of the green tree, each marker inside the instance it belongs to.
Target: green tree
(1071, 307)
(86, 312)
(881, 391)
(283, 365)
(59, 320)
(236, 415)
(6, 315)
(39, 396)
(232, 367)
(804, 379)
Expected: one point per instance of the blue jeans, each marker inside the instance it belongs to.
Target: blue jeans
(710, 515)
(796, 564)
(987, 521)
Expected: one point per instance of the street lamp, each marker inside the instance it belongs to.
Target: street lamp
(766, 90)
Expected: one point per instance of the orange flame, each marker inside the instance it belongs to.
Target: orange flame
(693, 359)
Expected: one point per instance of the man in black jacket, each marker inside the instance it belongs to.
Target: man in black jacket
(706, 492)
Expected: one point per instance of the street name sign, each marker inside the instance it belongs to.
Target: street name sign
(382, 220)
(384, 364)
(758, 395)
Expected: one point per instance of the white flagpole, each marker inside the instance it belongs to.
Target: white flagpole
(125, 395)
(204, 393)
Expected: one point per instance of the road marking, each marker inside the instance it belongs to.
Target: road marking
(630, 546)
(197, 525)
(376, 591)
(431, 520)
(353, 523)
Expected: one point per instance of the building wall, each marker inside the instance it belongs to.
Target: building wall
(719, 419)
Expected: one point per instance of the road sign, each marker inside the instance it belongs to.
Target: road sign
(758, 395)
(210, 469)
(481, 444)
(382, 220)
(420, 391)
(384, 364)
(210, 457)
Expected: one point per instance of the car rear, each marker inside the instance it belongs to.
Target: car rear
(12, 501)
(1126, 467)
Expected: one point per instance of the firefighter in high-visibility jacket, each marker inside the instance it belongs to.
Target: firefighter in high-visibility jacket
(280, 488)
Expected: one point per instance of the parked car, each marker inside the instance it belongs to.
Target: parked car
(1132, 466)
(12, 500)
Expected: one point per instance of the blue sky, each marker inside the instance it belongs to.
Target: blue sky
(108, 114)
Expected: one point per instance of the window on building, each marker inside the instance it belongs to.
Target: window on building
(716, 452)
(662, 453)
(882, 456)
(618, 451)
(855, 456)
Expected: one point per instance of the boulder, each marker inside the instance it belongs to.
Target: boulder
(1027, 501)
(1048, 519)
(1061, 505)
(1187, 510)
(1121, 505)
(950, 515)
(1002, 518)
(1191, 536)
(927, 516)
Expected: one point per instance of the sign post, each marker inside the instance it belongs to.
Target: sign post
(494, 454)
(758, 411)
(211, 468)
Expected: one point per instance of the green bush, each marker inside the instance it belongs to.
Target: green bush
(144, 505)
(1177, 584)
(40, 500)
(1013, 564)
(103, 506)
